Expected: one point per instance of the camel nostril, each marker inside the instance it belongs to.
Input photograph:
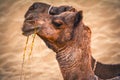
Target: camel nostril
(31, 16)
(31, 21)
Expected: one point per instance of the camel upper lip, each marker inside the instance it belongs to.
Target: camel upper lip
(28, 32)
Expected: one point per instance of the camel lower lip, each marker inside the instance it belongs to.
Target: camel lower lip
(30, 31)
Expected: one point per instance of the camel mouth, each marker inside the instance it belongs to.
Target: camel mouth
(27, 32)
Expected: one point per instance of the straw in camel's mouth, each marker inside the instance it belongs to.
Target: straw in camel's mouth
(30, 31)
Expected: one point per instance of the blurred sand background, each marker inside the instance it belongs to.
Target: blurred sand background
(103, 17)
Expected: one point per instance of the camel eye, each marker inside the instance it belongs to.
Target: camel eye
(57, 24)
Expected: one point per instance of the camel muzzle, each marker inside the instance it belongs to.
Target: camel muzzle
(30, 29)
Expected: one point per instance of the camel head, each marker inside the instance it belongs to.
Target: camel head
(36, 12)
(56, 30)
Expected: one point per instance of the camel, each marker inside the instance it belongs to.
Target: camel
(43, 8)
(73, 56)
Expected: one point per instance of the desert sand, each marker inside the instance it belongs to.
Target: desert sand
(102, 16)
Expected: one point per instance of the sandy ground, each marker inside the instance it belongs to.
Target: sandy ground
(103, 17)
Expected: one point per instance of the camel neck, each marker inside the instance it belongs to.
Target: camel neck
(75, 64)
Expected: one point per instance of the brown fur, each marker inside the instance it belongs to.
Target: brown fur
(70, 39)
(42, 9)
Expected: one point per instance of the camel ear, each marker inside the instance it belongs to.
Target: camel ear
(78, 18)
